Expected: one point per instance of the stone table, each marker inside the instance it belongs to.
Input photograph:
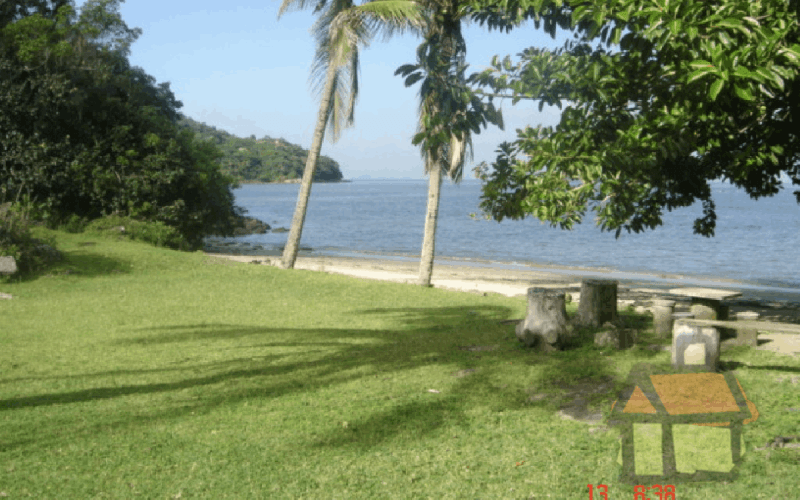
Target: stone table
(707, 304)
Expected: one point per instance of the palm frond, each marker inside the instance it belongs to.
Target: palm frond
(338, 34)
(340, 30)
(334, 105)
(456, 155)
(461, 150)
(294, 5)
(353, 94)
(391, 17)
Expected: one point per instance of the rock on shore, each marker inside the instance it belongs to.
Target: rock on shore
(250, 225)
(226, 246)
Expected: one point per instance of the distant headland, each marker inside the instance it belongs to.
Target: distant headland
(262, 161)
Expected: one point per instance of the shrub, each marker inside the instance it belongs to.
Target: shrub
(31, 254)
(156, 233)
(74, 224)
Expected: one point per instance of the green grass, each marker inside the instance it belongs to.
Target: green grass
(129, 371)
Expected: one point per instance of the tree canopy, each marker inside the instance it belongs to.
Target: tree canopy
(658, 98)
(261, 160)
(85, 133)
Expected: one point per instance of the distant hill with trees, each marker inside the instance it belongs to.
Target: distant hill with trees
(251, 160)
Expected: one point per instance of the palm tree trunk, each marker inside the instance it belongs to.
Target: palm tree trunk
(429, 239)
(293, 242)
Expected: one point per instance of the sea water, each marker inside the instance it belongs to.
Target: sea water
(756, 241)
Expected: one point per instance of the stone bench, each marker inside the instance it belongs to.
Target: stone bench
(707, 303)
(760, 326)
(696, 342)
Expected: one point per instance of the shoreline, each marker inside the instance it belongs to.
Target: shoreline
(293, 181)
(410, 263)
(512, 279)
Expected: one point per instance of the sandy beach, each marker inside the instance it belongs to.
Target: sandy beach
(481, 277)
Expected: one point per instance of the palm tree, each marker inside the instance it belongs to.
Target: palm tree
(340, 30)
(449, 113)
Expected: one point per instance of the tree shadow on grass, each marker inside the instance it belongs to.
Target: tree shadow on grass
(734, 365)
(392, 351)
(265, 376)
(434, 324)
(79, 263)
(188, 333)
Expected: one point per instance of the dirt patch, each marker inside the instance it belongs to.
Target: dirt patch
(478, 348)
(581, 401)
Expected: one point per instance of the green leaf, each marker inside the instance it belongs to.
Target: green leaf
(724, 38)
(700, 73)
(765, 75)
(599, 17)
(733, 23)
(578, 14)
(616, 34)
(716, 87)
(405, 69)
(743, 93)
(752, 20)
(792, 53)
(413, 78)
(700, 64)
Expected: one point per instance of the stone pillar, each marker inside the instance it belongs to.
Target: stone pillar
(747, 337)
(662, 317)
(694, 347)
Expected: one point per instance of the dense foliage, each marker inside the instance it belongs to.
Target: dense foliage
(261, 160)
(659, 98)
(86, 134)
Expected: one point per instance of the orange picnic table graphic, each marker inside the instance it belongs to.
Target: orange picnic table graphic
(681, 426)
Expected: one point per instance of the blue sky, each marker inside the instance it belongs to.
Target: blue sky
(237, 67)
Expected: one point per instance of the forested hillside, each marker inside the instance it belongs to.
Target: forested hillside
(261, 160)
(86, 134)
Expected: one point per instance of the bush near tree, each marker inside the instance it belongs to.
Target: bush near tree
(31, 254)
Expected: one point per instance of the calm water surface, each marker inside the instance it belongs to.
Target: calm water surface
(756, 241)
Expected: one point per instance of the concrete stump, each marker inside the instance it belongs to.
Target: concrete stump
(598, 302)
(694, 347)
(662, 317)
(748, 337)
(545, 324)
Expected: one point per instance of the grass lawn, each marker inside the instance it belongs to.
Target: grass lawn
(129, 371)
